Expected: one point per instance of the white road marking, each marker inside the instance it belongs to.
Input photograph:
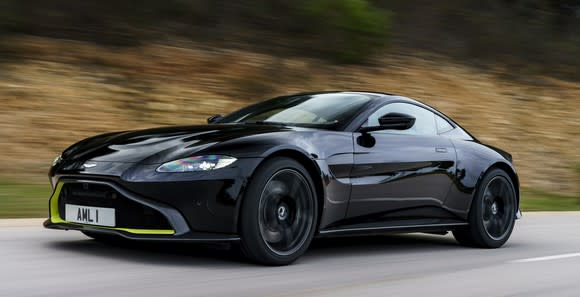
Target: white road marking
(547, 258)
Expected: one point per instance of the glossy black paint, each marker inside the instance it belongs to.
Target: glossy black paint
(387, 178)
(365, 181)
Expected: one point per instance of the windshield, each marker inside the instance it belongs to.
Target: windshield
(307, 110)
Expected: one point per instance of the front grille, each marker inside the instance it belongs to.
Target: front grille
(128, 213)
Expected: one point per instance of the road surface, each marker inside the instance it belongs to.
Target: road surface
(541, 259)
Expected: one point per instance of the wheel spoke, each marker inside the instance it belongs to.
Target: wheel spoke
(492, 189)
(294, 188)
(487, 202)
(496, 226)
(487, 195)
(503, 191)
(287, 236)
(502, 222)
(487, 224)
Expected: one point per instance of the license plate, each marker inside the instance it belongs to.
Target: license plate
(90, 215)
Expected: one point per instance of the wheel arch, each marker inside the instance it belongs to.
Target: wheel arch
(509, 170)
(309, 164)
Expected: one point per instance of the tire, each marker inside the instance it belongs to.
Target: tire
(104, 238)
(492, 214)
(279, 213)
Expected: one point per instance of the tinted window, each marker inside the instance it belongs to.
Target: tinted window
(424, 119)
(442, 125)
(317, 109)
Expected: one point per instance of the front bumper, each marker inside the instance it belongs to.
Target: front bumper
(168, 224)
(142, 234)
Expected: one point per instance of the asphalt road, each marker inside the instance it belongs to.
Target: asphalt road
(541, 259)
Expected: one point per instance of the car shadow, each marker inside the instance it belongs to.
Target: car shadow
(227, 255)
(157, 253)
(381, 244)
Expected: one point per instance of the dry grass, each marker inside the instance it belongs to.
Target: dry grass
(61, 91)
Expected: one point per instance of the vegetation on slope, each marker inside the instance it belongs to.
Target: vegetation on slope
(507, 70)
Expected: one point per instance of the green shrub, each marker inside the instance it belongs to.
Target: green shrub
(351, 30)
(340, 30)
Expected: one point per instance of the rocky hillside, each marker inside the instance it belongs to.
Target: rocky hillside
(60, 91)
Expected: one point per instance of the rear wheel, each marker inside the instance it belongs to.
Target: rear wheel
(492, 214)
(279, 213)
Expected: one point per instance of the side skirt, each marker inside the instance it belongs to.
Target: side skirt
(395, 226)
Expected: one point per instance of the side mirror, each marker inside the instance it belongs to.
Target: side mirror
(214, 118)
(392, 121)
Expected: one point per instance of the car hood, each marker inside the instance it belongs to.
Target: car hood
(159, 145)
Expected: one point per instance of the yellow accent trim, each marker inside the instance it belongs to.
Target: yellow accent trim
(54, 216)
(56, 219)
(147, 231)
(129, 230)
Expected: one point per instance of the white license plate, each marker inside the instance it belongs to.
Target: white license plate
(90, 215)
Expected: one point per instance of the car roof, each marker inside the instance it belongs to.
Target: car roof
(378, 97)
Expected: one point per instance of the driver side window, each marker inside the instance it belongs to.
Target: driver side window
(424, 119)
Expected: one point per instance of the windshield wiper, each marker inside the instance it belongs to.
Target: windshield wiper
(269, 123)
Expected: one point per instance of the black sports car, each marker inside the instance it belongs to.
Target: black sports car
(275, 174)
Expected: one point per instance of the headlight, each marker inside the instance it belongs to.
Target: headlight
(197, 163)
(56, 160)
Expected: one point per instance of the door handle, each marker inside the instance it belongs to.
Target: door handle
(440, 149)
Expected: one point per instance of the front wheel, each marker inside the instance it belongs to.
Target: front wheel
(493, 212)
(279, 213)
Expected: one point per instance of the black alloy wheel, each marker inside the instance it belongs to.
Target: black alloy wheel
(286, 211)
(498, 208)
(279, 213)
(493, 212)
